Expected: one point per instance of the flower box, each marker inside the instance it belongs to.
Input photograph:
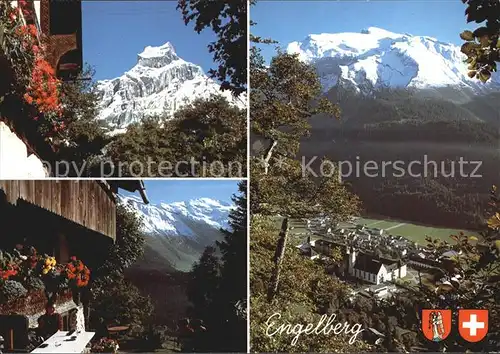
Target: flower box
(28, 282)
(33, 303)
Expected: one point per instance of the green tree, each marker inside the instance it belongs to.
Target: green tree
(233, 247)
(113, 298)
(204, 283)
(212, 133)
(233, 285)
(218, 285)
(482, 45)
(86, 137)
(142, 142)
(284, 96)
(228, 20)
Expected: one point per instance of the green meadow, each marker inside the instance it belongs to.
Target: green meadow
(413, 232)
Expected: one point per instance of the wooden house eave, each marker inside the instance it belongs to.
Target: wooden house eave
(83, 202)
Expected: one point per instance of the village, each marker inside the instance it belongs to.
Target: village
(373, 261)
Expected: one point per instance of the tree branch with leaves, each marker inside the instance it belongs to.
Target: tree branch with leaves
(228, 20)
(283, 98)
(482, 45)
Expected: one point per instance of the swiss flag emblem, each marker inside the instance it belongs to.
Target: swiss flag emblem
(473, 324)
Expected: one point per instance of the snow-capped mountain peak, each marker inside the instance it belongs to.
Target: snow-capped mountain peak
(177, 233)
(375, 57)
(178, 218)
(157, 57)
(151, 51)
(158, 85)
(380, 32)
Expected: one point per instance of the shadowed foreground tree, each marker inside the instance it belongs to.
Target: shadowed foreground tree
(228, 20)
(129, 246)
(124, 304)
(218, 286)
(210, 132)
(232, 300)
(482, 45)
(204, 283)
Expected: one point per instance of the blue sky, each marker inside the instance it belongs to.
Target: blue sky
(168, 191)
(114, 32)
(288, 21)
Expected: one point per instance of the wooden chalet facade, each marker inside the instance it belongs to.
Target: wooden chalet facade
(60, 218)
(23, 153)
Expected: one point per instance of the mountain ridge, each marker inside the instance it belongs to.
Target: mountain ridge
(376, 58)
(159, 84)
(177, 233)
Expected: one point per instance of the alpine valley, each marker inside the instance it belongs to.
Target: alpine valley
(158, 85)
(406, 98)
(177, 233)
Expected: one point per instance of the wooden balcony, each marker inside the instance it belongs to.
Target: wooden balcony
(87, 203)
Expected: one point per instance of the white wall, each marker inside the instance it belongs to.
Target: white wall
(393, 275)
(403, 271)
(382, 275)
(352, 260)
(15, 163)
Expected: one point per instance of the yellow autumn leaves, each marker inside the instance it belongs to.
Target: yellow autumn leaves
(494, 221)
